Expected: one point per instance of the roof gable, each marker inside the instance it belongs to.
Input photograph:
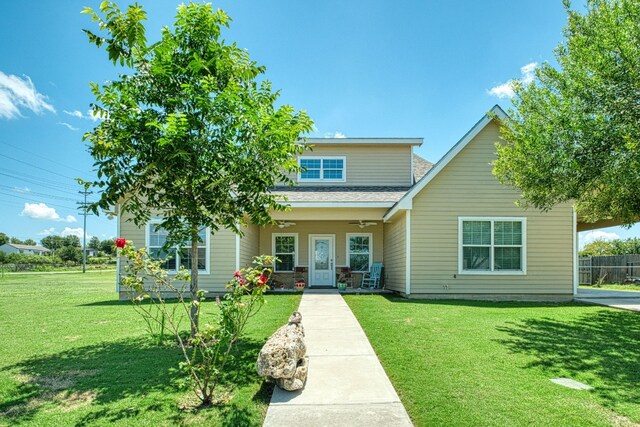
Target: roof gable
(406, 201)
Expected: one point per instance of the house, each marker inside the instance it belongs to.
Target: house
(15, 248)
(448, 230)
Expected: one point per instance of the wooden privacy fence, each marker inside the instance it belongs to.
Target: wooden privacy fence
(609, 269)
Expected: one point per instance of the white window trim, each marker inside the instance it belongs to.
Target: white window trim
(492, 272)
(207, 270)
(322, 179)
(295, 255)
(348, 259)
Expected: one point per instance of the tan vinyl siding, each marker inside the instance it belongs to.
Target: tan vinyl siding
(339, 228)
(249, 245)
(395, 253)
(222, 254)
(467, 187)
(368, 165)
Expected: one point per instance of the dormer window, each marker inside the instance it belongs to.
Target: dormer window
(322, 169)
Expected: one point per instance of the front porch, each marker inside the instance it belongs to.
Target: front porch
(322, 252)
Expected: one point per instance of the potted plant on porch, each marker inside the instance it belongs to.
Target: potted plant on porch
(300, 285)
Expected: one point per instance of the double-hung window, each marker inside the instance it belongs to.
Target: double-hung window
(359, 251)
(285, 248)
(177, 256)
(492, 245)
(318, 169)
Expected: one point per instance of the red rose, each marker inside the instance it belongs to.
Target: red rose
(262, 280)
(120, 242)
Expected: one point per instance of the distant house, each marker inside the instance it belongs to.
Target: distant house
(91, 252)
(15, 248)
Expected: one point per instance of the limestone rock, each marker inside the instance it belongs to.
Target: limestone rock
(282, 359)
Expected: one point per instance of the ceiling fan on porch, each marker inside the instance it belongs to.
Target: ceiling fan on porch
(285, 224)
(363, 224)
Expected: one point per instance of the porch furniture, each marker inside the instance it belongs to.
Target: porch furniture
(371, 278)
(345, 276)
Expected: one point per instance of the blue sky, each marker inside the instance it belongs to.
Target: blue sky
(359, 68)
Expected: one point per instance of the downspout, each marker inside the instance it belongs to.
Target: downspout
(407, 239)
(237, 252)
(117, 254)
(576, 276)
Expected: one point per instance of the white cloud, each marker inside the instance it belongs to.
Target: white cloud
(505, 90)
(17, 93)
(42, 211)
(334, 135)
(47, 231)
(88, 116)
(591, 236)
(74, 113)
(68, 126)
(22, 189)
(92, 116)
(73, 232)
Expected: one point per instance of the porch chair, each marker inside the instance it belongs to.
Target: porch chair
(371, 278)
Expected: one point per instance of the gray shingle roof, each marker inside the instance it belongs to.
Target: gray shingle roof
(29, 247)
(420, 167)
(341, 194)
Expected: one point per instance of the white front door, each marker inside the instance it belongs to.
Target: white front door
(321, 253)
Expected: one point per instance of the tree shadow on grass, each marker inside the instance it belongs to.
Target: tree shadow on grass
(106, 373)
(602, 347)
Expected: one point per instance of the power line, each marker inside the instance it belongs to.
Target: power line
(42, 183)
(34, 201)
(41, 157)
(49, 196)
(35, 166)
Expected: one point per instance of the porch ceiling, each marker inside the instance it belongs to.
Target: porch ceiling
(330, 214)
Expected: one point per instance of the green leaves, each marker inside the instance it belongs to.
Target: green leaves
(574, 132)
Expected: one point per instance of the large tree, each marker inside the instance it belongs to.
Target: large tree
(574, 133)
(94, 243)
(53, 242)
(189, 129)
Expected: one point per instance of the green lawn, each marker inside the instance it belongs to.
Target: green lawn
(633, 287)
(460, 363)
(70, 354)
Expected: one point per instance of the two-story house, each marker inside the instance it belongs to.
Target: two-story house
(448, 230)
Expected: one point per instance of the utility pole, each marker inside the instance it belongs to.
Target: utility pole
(84, 212)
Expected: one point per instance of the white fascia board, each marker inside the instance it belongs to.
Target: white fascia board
(444, 161)
(366, 141)
(339, 204)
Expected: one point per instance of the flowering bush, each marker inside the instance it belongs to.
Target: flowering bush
(206, 353)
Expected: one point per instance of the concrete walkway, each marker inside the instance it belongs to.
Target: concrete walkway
(624, 300)
(346, 385)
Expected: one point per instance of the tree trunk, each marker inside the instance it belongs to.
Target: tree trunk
(194, 281)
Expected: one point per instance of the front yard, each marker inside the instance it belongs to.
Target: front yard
(460, 363)
(73, 355)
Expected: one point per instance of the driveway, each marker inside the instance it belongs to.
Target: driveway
(624, 300)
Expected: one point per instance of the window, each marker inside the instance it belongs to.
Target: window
(359, 251)
(285, 248)
(177, 256)
(492, 245)
(323, 169)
